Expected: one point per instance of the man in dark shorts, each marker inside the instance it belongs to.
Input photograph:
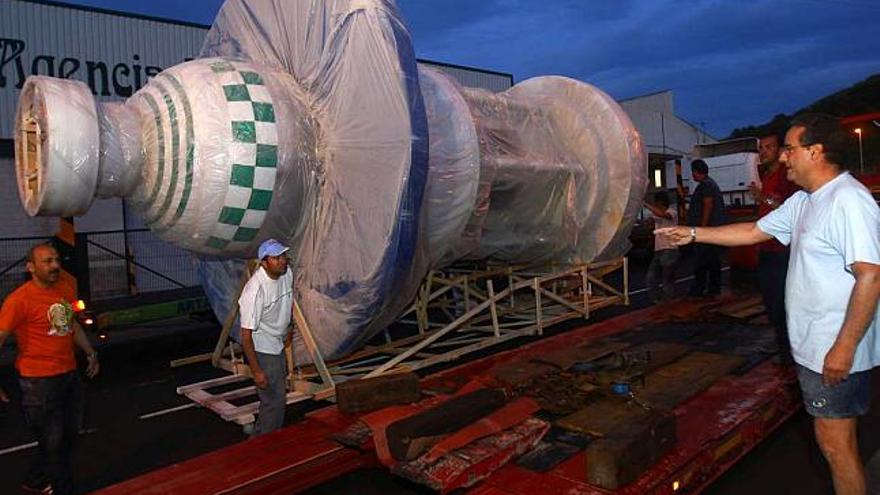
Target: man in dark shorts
(833, 285)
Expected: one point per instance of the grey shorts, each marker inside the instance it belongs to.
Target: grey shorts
(847, 399)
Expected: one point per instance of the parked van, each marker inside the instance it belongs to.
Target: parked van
(733, 164)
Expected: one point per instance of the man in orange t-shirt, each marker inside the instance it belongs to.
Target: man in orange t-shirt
(40, 314)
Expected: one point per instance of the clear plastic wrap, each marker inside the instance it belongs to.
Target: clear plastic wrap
(563, 172)
(311, 122)
(56, 146)
(121, 151)
(356, 63)
(453, 169)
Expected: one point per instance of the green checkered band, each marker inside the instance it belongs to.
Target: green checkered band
(254, 152)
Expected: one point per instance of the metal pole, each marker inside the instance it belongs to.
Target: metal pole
(861, 155)
(129, 267)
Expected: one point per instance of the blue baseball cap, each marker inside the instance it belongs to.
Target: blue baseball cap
(271, 247)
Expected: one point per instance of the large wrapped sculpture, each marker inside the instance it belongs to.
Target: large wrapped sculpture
(311, 122)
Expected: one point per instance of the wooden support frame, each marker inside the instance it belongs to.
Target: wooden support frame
(534, 299)
(227, 355)
(31, 152)
(456, 312)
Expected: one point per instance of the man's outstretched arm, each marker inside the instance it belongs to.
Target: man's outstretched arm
(734, 234)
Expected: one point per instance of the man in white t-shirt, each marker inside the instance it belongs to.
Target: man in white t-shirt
(832, 286)
(662, 267)
(265, 307)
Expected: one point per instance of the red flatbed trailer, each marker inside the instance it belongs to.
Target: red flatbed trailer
(715, 428)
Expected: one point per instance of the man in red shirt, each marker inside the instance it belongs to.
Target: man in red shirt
(773, 256)
(40, 314)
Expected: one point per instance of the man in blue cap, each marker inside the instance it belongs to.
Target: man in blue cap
(265, 307)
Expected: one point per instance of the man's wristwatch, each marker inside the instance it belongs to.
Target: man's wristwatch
(693, 234)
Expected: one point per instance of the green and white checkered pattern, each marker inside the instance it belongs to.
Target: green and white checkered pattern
(254, 152)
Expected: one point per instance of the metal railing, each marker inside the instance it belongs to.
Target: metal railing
(154, 264)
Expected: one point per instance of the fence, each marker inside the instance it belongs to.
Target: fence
(156, 265)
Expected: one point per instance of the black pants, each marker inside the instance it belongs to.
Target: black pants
(53, 411)
(772, 270)
(707, 270)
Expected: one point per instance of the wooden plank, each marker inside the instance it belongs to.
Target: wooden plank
(566, 358)
(215, 382)
(627, 452)
(732, 309)
(673, 384)
(198, 358)
(309, 340)
(244, 414)
(746, 313)
(562, 393)
(638, 361)
(368, 394)
(412, 436)
(604, 416)
(229, 321)
(519, 373)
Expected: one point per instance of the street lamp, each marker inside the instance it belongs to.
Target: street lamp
(858, 131)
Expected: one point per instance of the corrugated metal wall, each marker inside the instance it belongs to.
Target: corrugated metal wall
(115, 52)
(474, 78)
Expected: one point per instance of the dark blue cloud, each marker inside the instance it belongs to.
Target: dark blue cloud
(729, 63)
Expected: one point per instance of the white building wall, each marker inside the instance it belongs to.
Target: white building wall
(662, 131)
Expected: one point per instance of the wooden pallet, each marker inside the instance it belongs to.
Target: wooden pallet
(201, 394)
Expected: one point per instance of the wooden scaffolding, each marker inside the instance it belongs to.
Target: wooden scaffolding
(456, 312)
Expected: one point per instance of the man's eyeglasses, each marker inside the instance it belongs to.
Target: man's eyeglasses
(788, 148)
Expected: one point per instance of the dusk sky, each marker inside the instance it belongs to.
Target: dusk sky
(730, 63)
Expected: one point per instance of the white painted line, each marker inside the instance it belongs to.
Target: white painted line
(677, 281)
(151, 382)
(168, 411)
(23, 446)
(31, 445)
